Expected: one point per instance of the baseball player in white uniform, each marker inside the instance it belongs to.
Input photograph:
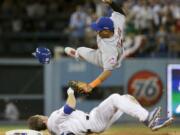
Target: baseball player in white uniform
(110, 52)
(69, 121)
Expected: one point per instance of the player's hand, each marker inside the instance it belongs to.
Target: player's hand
(81, 87)
(107, 1)
(70, 91)
(43, 54)
(87, 88)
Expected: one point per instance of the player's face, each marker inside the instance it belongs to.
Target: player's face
(105, 33)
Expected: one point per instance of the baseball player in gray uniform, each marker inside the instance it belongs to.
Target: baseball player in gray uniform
(69, 121)
(110, 50)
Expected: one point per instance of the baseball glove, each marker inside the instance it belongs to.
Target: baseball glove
(79, 86)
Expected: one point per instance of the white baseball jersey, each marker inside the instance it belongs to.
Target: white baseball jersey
(99, 119)
(110, 50)
(59, 122)
(77, 122)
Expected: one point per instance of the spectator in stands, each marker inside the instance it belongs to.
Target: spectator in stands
(141, 14)
(173, 39)
(161, 39)
(7, 7)
(36, 8)
(77, 26)
(177, 26)
(151, 43)
(175, 9)
(16, 25)
(101, 8)
(90, 35)
(11, 111)
(155, 8)
(167, 18)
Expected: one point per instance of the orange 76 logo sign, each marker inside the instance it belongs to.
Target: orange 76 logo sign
(146, 87)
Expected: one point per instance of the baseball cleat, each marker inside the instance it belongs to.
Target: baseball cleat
(153, 115)
(70, 51)
(160, 123)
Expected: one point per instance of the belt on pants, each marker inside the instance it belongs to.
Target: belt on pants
(87, 117)
(88, 130)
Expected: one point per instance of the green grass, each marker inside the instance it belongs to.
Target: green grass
(10, 127)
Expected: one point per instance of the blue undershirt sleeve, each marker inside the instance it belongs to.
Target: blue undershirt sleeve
(68, 109)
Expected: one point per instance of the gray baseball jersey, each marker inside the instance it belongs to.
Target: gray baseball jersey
(110, 50)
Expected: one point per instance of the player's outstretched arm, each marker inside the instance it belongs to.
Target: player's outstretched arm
(114, 6)
(101, 78)
(71, 100)
(83, 87)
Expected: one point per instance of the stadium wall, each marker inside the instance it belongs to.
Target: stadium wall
(144, 78)
(41, 89)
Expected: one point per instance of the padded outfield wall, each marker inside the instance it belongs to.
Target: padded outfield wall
(146, 79)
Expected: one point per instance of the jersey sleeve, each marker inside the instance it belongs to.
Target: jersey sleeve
(117, 17)
(58, 117)
(118, 20)
(67, 109)
(62, 113)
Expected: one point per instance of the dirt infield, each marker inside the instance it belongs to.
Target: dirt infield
(141, 130)
(118, 130)
(141, 133)
(125, 133)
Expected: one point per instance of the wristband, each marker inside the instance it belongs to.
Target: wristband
(95, 83)
(68, 109)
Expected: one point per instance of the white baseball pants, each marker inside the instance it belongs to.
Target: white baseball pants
(113, 107)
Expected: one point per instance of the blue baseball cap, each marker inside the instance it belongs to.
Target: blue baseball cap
(103, 23)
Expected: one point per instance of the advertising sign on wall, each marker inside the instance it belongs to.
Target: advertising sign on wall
(146, 86)
(173, 83)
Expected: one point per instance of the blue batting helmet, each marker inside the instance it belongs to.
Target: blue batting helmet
(43, 54)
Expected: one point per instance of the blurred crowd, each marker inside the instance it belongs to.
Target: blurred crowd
(32, 15)
(157, 21)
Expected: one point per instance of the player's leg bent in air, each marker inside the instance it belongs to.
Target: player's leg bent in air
(115, 105)
(87, 54)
